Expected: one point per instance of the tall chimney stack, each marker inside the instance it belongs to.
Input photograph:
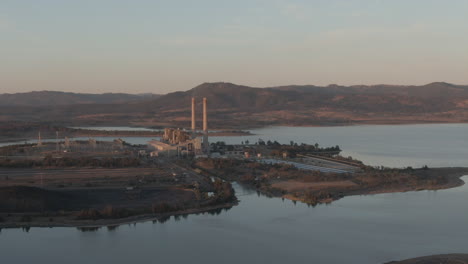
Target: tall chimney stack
(193, 114)
(206, 144)
(205, 116)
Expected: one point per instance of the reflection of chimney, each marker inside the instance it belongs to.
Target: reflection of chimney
(39, 140)
(205, 116)
(193, 113)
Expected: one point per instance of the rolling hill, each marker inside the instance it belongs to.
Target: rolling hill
(234, 106)
(44, 98)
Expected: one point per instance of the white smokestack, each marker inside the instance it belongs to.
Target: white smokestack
(205, 116)
(193, 114)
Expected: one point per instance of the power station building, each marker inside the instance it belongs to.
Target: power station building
(177, 142)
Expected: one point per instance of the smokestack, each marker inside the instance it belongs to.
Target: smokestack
(206, 144)
(193, 114)
(205, 116)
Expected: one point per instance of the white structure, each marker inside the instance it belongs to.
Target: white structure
(176, 142)
(206, 144)
(193, 115)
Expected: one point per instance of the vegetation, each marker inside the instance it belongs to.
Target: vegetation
(294, 149)
(253, 107)
(223, 192)
(107, 213)
(315, 187)
(50, 161)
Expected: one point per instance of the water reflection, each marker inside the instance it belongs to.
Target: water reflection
(89, 229)
(358, 229)
(157, 220)
(112, 227)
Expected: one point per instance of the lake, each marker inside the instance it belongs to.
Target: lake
(358, 229)
(361, 229)
(434, 145)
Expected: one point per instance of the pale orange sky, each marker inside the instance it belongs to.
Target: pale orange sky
(162, 46)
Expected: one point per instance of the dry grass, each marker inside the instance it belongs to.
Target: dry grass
(292, 186)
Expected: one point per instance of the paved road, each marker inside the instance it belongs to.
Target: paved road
(303, 166)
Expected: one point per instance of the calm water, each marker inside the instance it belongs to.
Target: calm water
(364, 229)
(439, 145)
(360, 229)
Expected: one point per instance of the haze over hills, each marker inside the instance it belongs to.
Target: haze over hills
(234, 106)
(43, 98)
(377, 97)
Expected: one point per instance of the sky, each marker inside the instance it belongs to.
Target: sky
(159, 46)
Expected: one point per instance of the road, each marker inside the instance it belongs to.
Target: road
(303, 166)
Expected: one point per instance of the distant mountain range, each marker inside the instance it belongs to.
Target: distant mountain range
(44, 98)
(234, 106)
(427, 98)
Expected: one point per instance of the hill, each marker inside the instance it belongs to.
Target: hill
(237, 106)
(314, 105)
(427, 98)
(44, 98)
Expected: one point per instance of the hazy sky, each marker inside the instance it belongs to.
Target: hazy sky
(156, 46)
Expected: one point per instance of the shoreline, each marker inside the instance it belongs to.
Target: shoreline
(354, 124)
(441, 258)
(68, 219)
(454, 181)
(244, 130)
(319, 187)
(22, 140)
(113, 222)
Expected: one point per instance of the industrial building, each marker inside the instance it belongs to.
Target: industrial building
(177, 142)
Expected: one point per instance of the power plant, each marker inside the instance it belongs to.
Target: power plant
(177, 142)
